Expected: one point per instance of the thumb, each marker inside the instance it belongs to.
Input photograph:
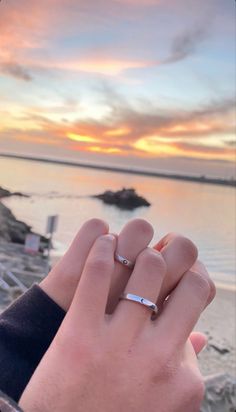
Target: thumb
(199, 341)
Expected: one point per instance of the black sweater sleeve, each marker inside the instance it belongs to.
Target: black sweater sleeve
(27, 328)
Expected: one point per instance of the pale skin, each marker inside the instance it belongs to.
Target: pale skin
(179, 253)
(123, 361)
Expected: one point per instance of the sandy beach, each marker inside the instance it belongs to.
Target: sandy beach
(218, 322)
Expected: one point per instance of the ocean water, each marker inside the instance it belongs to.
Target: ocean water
(205, 213)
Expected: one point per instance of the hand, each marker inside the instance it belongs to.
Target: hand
(123, 361)
(179, 253)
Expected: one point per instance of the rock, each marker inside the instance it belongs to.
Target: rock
(13, 230)
(222, 351)
(7, 193)
(4, 192)
(124, 199)
(220, 395)
(28, 269)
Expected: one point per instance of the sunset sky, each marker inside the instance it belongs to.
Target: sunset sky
(140, 83)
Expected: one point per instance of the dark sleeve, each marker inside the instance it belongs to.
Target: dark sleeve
(7, 404)
(27, 328)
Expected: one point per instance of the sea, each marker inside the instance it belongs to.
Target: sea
(203, 212)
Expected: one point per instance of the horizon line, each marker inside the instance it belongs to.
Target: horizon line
(116, 169)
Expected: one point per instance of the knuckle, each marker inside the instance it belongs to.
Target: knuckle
(153, 261)
(200, 268)
(212, 291)
(97, 225)
(200, 283)
(143, 227)
(99, 264)
(171, 235)
(188, 248)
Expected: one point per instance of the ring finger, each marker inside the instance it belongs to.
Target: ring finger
(145, 282)
(134, 237)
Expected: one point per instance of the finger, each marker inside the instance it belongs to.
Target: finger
(179, 253)
(68, 270)
(183, 308)
(199, 267)
(90, 298)
(145, 281)
(134, 237)
(198, 341)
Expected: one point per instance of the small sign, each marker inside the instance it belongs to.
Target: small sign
(51, 224)
(32, 243)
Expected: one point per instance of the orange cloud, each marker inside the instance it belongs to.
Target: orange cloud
(193, 134)
(80, 138)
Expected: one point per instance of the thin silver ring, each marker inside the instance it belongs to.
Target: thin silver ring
(124, 261)
(142, 301)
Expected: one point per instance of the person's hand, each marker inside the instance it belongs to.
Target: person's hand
(62, 281)
(179, 253)
(123, 361)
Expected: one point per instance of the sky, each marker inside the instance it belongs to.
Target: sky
(148, 84)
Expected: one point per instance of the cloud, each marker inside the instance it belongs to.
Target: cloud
(185, 44)
(203, 149)
(142, 131)
(102, 65)
(16, 70)
(29, 31)
(214, 118)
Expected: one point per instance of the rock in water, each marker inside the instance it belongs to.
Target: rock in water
(4, 192)
(124, 199)
(7, 193)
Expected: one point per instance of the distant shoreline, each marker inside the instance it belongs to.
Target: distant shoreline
(196, 179)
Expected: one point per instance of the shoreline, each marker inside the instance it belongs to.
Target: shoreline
(173, 176)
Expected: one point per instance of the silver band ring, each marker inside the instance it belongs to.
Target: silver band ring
(142, 301)
(124, 261)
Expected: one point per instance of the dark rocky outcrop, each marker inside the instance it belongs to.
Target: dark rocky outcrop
(124, 199)
(7, 193)
(13, 230)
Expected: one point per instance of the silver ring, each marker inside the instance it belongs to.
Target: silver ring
(139, 299)
(124, 261)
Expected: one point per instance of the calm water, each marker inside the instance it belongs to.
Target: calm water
(205, 213)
